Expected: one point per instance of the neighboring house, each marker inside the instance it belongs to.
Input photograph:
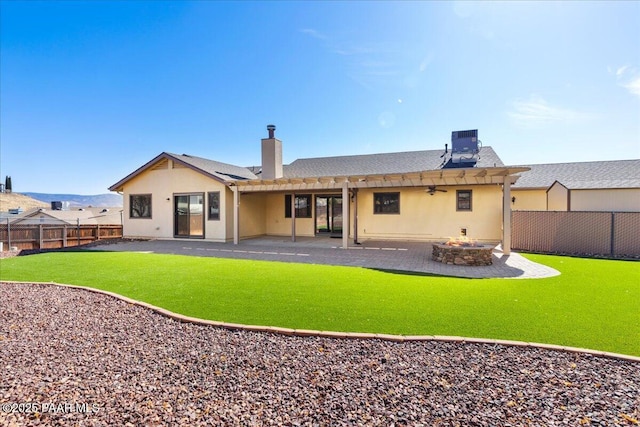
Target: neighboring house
(581, 186)
(420, 195)
(41, 228)
(81, 216)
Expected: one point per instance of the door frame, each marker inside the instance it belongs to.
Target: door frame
(330, 214)
(175, 215)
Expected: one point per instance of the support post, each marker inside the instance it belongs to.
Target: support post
(355, 216)
(345, 215)
(9, 233)
(40, 232)
(506, 216)
(64, 236)
(613, 234)
(78, 230)
(293, 217)
(236, 215)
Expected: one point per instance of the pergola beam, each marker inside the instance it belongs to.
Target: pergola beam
(466, 176)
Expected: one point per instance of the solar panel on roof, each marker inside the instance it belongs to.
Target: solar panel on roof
(232, 176)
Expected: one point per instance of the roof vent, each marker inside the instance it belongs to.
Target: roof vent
(465, 147)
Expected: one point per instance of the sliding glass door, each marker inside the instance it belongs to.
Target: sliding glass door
(329, 215)
(189, 215)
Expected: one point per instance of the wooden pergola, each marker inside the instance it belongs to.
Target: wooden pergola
(503, 175)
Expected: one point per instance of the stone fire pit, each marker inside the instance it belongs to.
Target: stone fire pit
(462, 253)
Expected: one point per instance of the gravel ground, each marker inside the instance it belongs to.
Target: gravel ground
(8, 254)
(114, 363)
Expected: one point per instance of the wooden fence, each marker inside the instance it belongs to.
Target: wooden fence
(53, 236)
(609, 234)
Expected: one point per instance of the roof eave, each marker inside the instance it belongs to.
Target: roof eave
(516, 188)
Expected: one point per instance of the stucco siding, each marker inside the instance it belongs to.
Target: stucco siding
(277, 225)
(163, 184)
(617, 200)
(252, 215)
(426, 217)
(558, 198)
(529, 200)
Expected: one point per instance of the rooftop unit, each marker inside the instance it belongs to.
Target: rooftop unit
(60, 206)
(465, 148)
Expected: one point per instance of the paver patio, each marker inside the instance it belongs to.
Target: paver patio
(413, 257)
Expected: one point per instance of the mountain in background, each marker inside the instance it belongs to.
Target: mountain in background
(77, 200)
(17, 200)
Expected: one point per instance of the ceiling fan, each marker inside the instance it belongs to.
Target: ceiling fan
(432, 190)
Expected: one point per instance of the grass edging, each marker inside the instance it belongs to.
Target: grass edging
(336, 334)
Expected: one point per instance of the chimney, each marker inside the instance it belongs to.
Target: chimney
(271, 155)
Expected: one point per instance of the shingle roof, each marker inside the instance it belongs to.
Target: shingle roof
(87, 216)
(224, 171)
(583, 175)
(368, 164)
(383, 163)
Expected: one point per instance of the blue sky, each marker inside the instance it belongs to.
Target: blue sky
(90, 91)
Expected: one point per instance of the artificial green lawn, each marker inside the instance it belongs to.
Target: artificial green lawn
(593, 303)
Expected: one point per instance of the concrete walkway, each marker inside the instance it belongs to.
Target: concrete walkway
(410, 257)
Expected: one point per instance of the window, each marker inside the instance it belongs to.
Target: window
(303, 206)
(463, 198)
(140, 206)
(386, 203)
(214, 206)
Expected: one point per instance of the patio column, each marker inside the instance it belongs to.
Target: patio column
(355, 216)
(345, 215)
(236, 215)
(293, 217)
(506, 215)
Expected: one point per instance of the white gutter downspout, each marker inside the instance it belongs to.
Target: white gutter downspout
(506, 216)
